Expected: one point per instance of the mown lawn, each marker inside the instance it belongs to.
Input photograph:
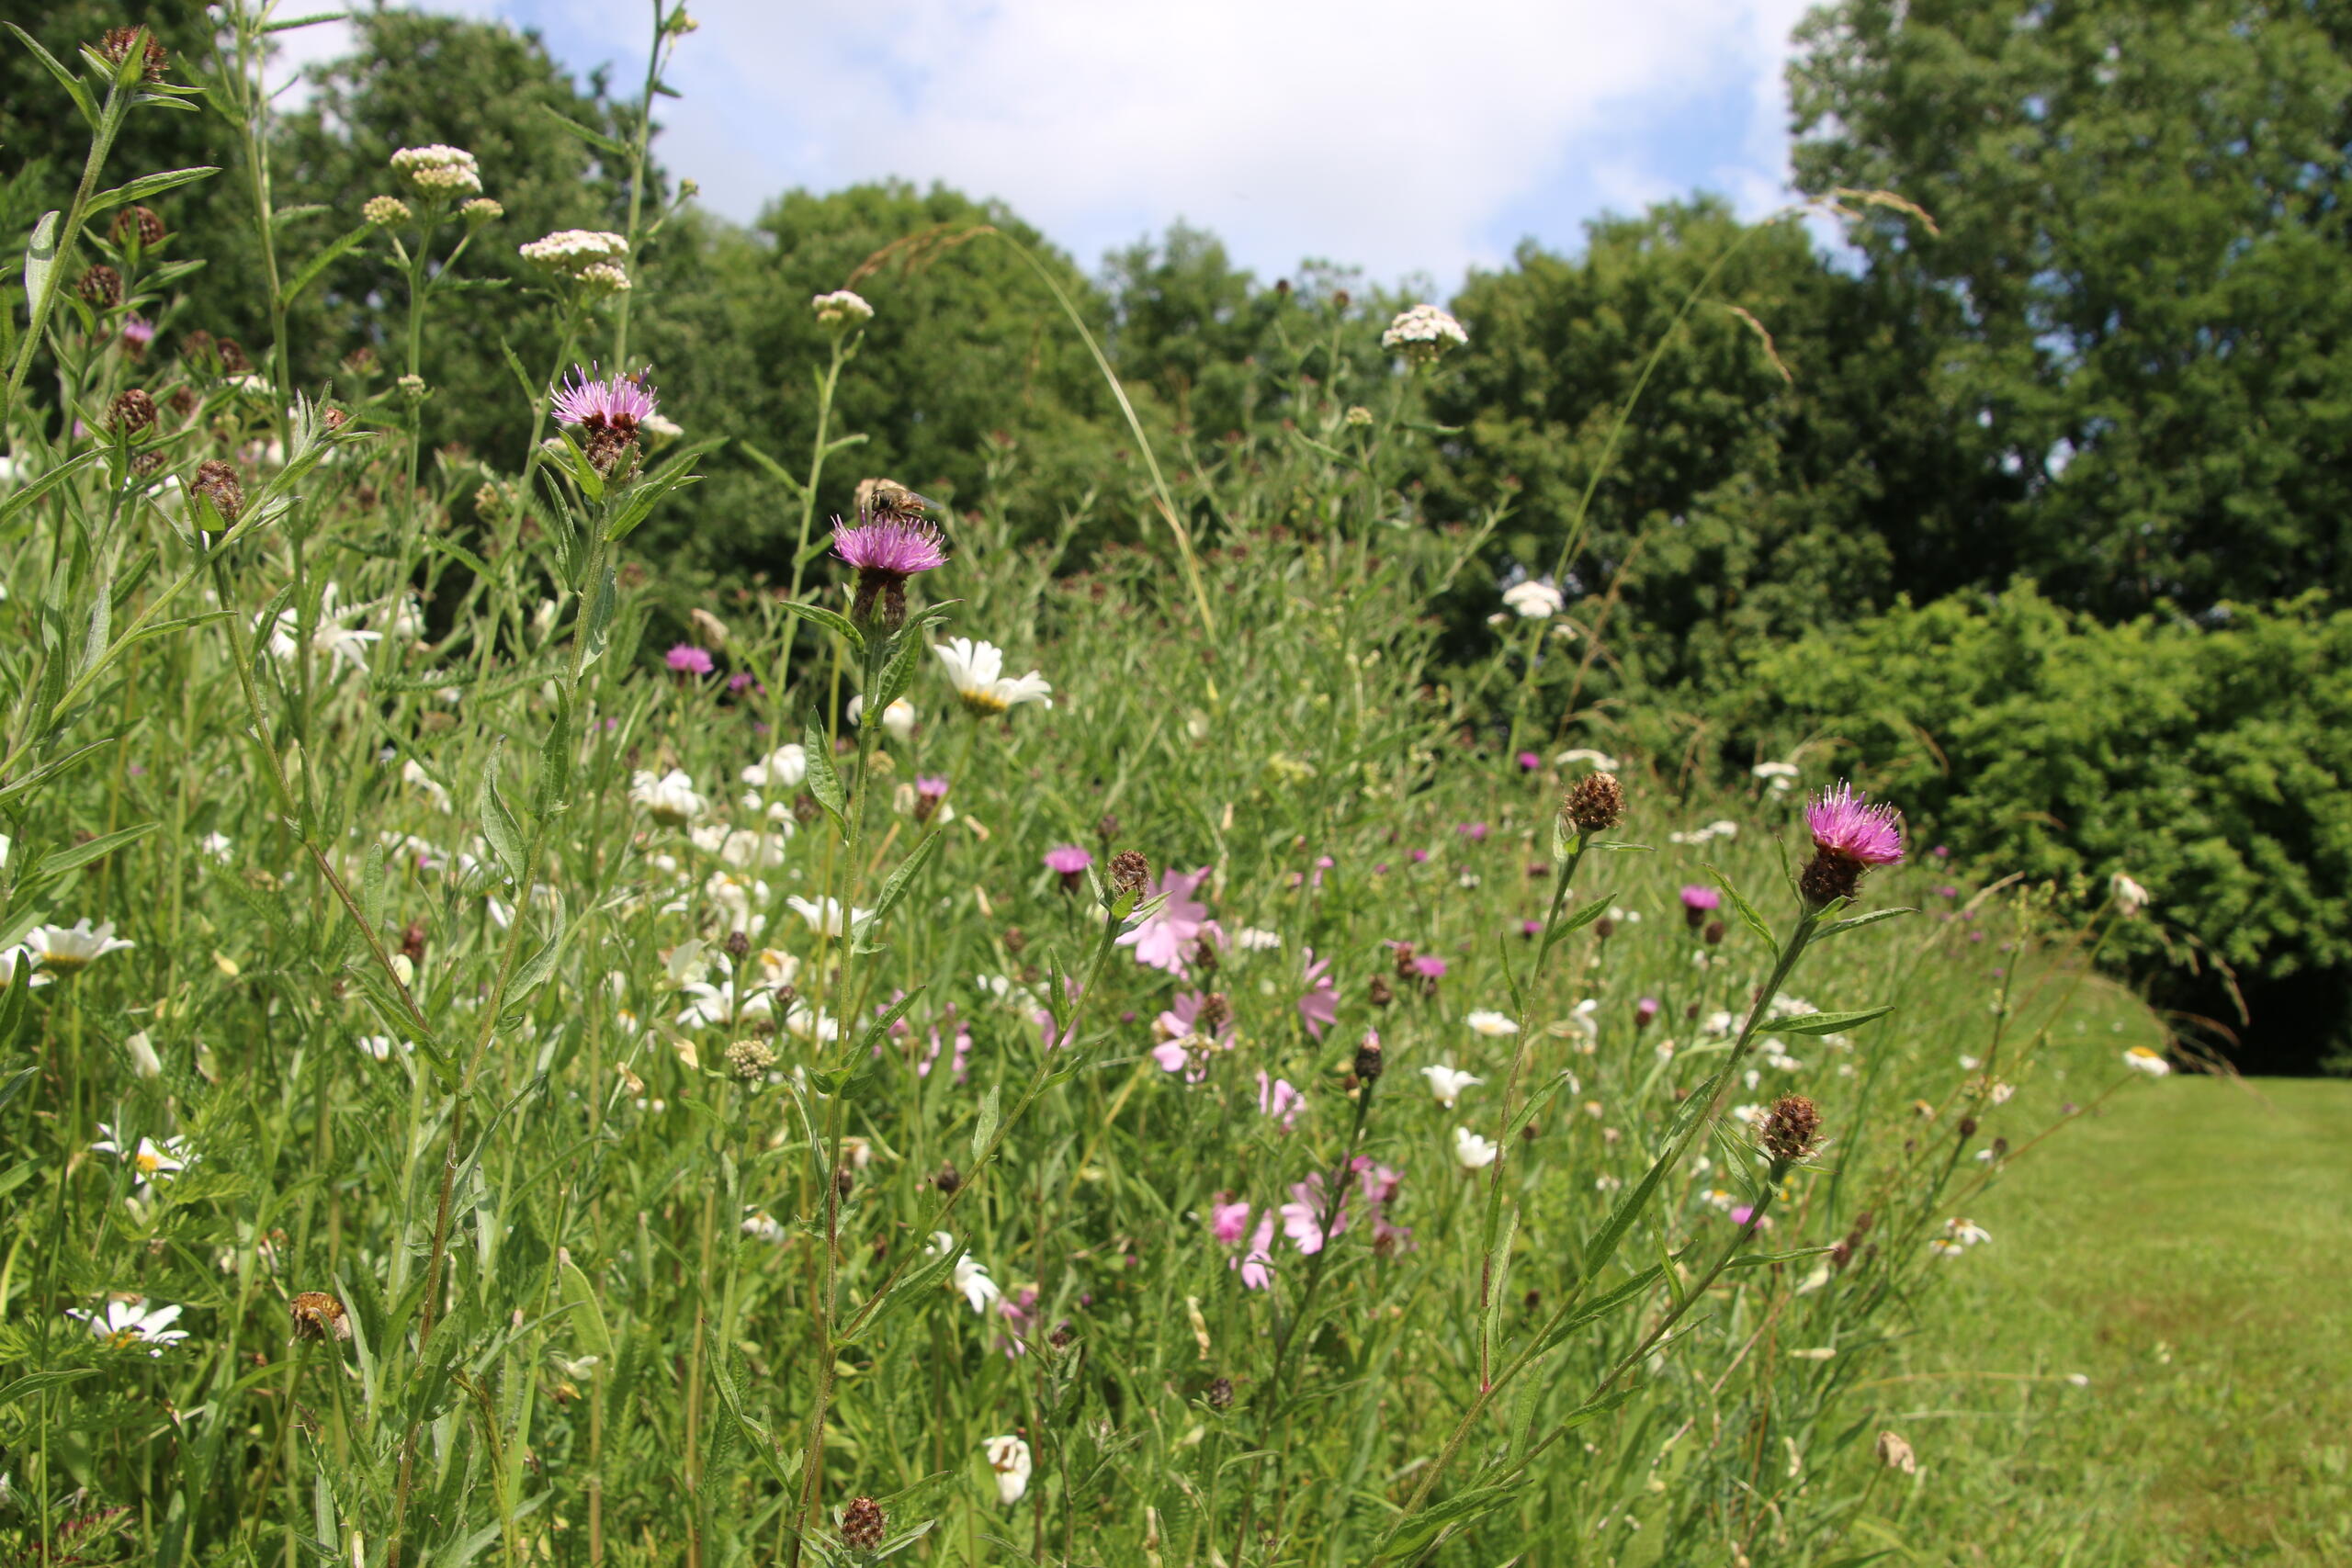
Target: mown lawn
(2184, 1249)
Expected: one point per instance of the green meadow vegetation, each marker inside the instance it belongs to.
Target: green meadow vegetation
(640, 923)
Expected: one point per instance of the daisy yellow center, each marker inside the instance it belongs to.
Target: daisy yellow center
(982, 702)
(123, 1336)
(147, 1161)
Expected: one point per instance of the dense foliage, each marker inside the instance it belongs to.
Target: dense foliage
(2096, 347)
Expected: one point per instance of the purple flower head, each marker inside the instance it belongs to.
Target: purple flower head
(1530, 928)
(619, 403)
(963, 1034)
(1428, 966)
(138, 332)
(1843, 825)
(1529, 761)
(1320, 1007)
(1228, 1222)
(743, 681)
(1417, 856)
(1644, 1010)
(886, 551)
(1742, 1213)
(1940, 853)
(1699, 897)
(1068, 859)
(1302, 1216)
(1474, 832)
(688, 659)
(931, 787)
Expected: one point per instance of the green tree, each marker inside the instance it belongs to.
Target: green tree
(2143, 278)
(1784, 465)
(969, 366)
(415, 79)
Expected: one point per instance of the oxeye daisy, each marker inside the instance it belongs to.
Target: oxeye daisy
(976, 670)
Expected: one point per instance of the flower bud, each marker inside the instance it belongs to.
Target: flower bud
(1595, 804)
(862, 1524)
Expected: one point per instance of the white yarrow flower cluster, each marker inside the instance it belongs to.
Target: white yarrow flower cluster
(438, 171)
(842, 309)
(1535, 599)
(976, 669)
(1422, 333)
(590, 257)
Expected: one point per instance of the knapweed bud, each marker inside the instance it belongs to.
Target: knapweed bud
(1107, 827)
(131, 411)
(1062, 1337)
(232, 356)
(1130, 871)
(862, 1524)
(217, 482)
(1595, 803)
(749, 1060)
(1379, 992)
(1214, 1013)
(1713, 935)
(319, 1317)
(736, 945)
(1220, 1393)
(101, 286)
(1790, 1129)
(385, 211)
(139, 223)
(1967, 1128)
(949, 1177)
(1369, 1065)
(116, 48)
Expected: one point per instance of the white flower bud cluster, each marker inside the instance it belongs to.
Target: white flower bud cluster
(439, 170)
(576, 251)
(842, 308)
(1423, 332)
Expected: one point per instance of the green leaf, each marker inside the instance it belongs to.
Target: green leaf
(498, 822)
(824, 782)
(35, 1382)
(540, 965)
(1536, 1101)
(339, 247)
(896, 888)
(312, 20)
(840, 624)
(146, 186)
(1746, 911)
(984, 1128)
(1825, 1022)
(596, 138)
(1859, 921)
(67, 79)
(33, 490)
(1603, 1305)
(927, 1275)
(587, 1317)
(41, 258)
(83, 854)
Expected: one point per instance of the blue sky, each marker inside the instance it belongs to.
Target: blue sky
(1413, 139)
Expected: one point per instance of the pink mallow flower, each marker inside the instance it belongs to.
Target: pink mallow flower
(963, 1036)
(1228, 1222)
(1163, 938)
(1068, 861)
(1320, 1005)
(1304, 1218)
(1280, 1099)
(1255, 1264)
(1185, 1046)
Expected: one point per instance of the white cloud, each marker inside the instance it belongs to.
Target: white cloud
(1391, 134)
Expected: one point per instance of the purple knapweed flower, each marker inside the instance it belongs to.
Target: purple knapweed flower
(688, 659)
(887, 549)
(1474, 832)
(1529, 761)
(1643, 1011)
(138, 333)
(607, 412)
(1850, 837)
(743, 681)
(1530, 928)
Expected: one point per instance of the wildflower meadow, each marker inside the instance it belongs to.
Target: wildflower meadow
(962, 1050)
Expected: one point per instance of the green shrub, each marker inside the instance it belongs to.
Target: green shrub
(2208, 762)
